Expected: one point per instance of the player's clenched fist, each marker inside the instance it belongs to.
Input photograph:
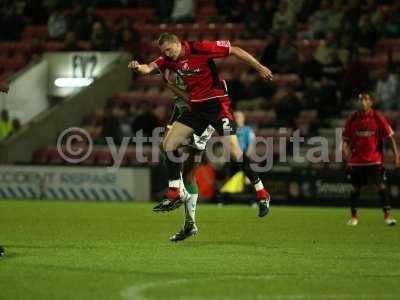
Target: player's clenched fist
(134, 65)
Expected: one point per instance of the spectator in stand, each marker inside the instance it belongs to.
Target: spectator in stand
(36, 12)
(368, 35)
(269, 54)
(353, 12)
(162, 9)
(269, 12)
(111, 123)
(320, 19)
(145, 120)
(371, 8)
(16, 126)
(76, 19)
(84, 25)
(100, 38)
(126, 37)
(5, 125)
(230, 10)
(70, 42)
(288, 106)
(334, 69)
(255, 20)
(325, 49)
(36, 48)
(296, 6)
(326, 99)
(307, 9)
(355, 76)
(335, 20)
(284, 19)
(393, 24)
(57, 24)
(346, 46)
(287, 55)
(387, 90)
(310, 67)
(12, 23)
(183, 11)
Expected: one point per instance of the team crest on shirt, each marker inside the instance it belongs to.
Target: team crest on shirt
(186, 71)
(365, 133)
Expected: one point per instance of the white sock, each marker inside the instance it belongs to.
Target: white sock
(182, 189)
(259, 185)
(190, 207)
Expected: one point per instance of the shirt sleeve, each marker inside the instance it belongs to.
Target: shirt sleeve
(386, 129)
(160, 62)
(216, 49)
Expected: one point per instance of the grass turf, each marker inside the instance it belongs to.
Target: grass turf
(60, 250)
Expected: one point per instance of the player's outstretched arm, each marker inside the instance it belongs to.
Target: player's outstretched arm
(393, 146)
(249, 59)
(4, 87)
(143, 69)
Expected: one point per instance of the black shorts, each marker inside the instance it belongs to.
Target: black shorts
(366, 175)
(215, 112)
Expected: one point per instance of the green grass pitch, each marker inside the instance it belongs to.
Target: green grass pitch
(61, 250)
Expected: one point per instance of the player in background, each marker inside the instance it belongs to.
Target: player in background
(194, 150)
(4, 89)
(209, 104)
(363, 137)
(245, 134)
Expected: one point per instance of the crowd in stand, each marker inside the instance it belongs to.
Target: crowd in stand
(330, 74)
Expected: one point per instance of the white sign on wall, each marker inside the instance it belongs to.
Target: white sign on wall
(74, 183)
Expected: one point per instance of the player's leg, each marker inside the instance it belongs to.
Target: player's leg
(383, 195)
(174, 138)
(226, 128)
(353, 176)
(178, 135)
(195, 151)
(2, 251)
(190, 204)
(191, 184)
(354, 199)
(244, 163)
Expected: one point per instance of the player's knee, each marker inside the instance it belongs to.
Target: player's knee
(168, 145)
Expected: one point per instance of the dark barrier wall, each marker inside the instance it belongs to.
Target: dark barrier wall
(302, 187)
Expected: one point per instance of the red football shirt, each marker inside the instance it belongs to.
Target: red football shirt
(365, 134)
(198, 70)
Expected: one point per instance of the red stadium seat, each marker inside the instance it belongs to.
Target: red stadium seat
(103, 157)
(35, 31)
(54, 157)
(40, 156)
(54, 46)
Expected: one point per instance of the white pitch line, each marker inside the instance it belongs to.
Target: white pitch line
(136, 291)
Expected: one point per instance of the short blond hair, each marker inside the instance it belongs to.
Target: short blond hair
(167, 37)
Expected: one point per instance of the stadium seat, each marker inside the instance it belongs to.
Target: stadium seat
(35, 31)
(103, 157)
(40, 156)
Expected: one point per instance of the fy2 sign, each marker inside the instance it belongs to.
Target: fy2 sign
(84, 65)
